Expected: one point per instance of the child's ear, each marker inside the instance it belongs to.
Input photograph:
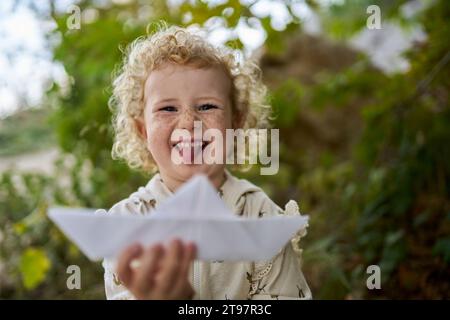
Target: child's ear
(140, 126)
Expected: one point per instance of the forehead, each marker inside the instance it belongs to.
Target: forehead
(178, 81)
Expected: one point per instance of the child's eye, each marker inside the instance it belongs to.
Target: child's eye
(207, 106)
(168, 109)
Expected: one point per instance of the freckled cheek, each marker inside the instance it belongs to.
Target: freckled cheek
(217, 121)
(158, 137)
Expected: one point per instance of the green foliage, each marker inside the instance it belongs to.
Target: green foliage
(37, 253)
(345, 18)
(34, 265)
(25, 132)
(287, 97)
(442, 248)
(378, 195)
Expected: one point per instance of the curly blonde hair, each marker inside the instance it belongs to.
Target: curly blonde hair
(178, 45)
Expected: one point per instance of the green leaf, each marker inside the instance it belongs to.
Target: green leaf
(286, 100)
(442, 248)
(34, 265)
(235, 44)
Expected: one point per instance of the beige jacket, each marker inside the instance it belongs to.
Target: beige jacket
(279, 278)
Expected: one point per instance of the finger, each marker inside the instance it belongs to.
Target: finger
(182, 286)
(124, 270)
(187, 292)
(189, 254)
(144, 279)
(170, 267)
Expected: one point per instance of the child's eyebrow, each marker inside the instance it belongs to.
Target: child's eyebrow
(210, 98)
(199, 98)
(165, 100)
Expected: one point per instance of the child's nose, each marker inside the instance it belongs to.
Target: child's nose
(187, 119)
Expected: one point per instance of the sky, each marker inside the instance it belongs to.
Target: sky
(26, 65)
(27, 68)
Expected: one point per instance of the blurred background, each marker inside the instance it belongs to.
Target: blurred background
(361, 104)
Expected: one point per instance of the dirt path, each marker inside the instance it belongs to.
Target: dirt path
(41, 162)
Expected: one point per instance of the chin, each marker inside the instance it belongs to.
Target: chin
(189, 170)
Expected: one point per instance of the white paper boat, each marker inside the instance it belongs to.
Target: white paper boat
(194, 213)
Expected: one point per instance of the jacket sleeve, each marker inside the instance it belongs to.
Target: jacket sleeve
(114, 289)
(281, 277)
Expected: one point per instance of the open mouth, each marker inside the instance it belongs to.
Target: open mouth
(190, 149)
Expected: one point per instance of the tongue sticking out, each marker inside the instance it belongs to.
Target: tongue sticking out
(191, 153)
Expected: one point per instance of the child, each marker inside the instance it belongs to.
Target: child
(168, 81)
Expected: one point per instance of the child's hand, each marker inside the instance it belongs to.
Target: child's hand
(162, 272)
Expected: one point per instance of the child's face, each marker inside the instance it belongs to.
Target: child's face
(176, 96)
